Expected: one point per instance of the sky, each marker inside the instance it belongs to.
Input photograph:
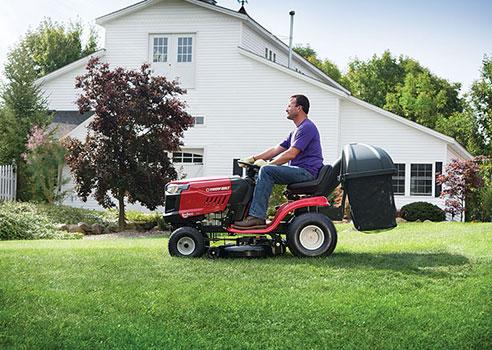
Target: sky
(449, 37)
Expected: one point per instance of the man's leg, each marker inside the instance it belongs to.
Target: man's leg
(268, 176)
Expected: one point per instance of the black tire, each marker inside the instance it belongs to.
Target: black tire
(186, 242)
(311, 235)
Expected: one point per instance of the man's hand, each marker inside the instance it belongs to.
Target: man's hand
(249, 160)
(261, 162)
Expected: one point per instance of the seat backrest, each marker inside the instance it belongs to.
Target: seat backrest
(323, 185)
(328, 179)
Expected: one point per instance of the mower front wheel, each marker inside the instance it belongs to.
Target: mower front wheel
(187, 242)
(311, 235)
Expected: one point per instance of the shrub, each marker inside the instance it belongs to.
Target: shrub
(422, 211)
(63, 214)
(135, 216)
(43, 167)
(22, 221)
(276, 199)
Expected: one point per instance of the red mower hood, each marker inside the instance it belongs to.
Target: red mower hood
(201, 180)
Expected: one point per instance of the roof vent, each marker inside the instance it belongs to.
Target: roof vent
(211, 2)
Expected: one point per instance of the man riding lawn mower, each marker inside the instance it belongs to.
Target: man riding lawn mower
(201, 209)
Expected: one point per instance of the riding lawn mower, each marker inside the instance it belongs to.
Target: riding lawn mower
(201, 211)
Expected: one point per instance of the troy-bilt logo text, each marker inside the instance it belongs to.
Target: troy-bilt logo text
(215, 189)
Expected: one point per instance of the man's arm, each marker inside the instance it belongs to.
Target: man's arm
(269, 153)
(286, 156)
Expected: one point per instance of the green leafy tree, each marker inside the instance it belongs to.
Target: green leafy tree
(138, 119)
(326, 66)
(374, 79)
(53, 45)
(40, 52)
(23, 104)
(402, 86)
(481, 102)
(464, 128)
(424, 98)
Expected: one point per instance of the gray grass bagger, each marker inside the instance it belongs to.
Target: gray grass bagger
(200, 210)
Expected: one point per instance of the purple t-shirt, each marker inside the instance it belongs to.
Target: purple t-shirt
(306, 139)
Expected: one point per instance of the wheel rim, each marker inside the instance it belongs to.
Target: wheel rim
(186, 245)
(311, 237)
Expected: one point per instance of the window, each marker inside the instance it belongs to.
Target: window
(198, 120)
(270, 55)
(399, 180)
(185, 45)
(421, 180)
(160, 50)
(188, 158)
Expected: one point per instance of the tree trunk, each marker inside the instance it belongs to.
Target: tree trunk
(121, 215)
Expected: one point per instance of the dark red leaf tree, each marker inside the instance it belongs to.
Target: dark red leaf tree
(138, 119)
(460, 181)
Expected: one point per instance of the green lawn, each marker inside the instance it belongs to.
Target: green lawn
(420, 286)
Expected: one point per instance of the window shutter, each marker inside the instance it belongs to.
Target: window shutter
(438, 171)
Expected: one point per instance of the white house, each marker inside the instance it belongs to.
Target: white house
(238, 86)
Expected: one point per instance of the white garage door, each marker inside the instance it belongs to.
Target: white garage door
(189, 162)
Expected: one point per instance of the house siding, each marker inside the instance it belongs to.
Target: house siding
(256, 43)
(451, 155)
(60, 92)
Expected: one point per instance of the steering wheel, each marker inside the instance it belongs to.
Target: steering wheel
(248, 165)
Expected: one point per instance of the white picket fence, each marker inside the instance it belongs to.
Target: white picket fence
(8, 182)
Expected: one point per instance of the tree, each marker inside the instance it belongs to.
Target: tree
(40, 52)
(461, 182)
(424, 97)
(402, 86)
(138, 119)
(373, 80)
(53, 45)
(326, 66)
(464, 128)
(23, 104)
(481, 102)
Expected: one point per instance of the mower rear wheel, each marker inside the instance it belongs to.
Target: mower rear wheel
(311, 235)
(186, 242)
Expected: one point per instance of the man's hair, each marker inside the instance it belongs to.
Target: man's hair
(302, 101)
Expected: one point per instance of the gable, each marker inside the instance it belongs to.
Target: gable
(359, 124)
(260, 31)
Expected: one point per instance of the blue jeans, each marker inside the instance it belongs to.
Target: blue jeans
(274, 174)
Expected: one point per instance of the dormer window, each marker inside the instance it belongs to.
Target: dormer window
(270, 55)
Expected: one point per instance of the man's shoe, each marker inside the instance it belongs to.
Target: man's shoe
(250, 223)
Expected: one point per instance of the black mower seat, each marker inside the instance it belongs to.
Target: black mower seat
(323, 185)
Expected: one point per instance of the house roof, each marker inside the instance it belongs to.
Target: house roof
(241, 14)
(449, 140)
(79, 63)
(65, 121)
